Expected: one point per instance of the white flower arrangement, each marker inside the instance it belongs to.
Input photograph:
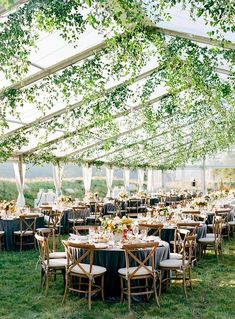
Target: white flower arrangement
(122, 196)
(64, 199)
(115, 225)
(142, 194)
(8, 206)
(89, 197)
(164, 212)
(201, 202)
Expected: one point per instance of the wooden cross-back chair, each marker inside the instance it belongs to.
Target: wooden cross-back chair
(27, 230)
(177, 243)
(181, 267)
(120, 207)
(144, 270)
(49, 266)
(133, 207)
(95, 213)
(78, 215)
(194, 214)
(54, 223)
(155, 228)
(224, 214)
(214, 240)
(86, 273)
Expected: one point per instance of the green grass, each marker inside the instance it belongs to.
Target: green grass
(213, 294)
(8, 189)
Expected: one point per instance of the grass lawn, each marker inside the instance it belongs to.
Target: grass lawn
(213, 294)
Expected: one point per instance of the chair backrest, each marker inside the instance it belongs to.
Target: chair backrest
(43, 247)
(28, 223)
(55, 219)
(133, 203)
(188, 250)
(78, 229)
(46, 210)
(192, 227)
(149, 258)
(79, 211)
(157, 228)
(217, 227)
(223, 214)
(86, 252)
(179, 235)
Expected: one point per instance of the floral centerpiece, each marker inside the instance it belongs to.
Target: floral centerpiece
(8, 206)
(116, 224)
(64, 199)
(164, 212)
(200, 202)
(122, 196)
(90, 197)
(142, 194)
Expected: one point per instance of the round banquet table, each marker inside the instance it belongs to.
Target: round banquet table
(114, 258)
(11, 225)
(167, 233)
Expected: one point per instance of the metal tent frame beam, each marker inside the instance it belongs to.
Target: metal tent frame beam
(56, 67)
(85, 128)
(143, 140)
(195, 38)
(75, 105)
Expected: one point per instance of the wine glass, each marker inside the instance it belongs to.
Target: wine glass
(135, 231)
(143, 233)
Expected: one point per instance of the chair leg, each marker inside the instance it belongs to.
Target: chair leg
(190, 277)
(167, 279)
(42, 278)
(129, 294)
(121, 300)
(184, 283)
(89, 294)
(155, 292)
(146, 285)
(21, 243)
(53, 240)
(47, 282)
(66, 288)
(160, 282)
(102, 287)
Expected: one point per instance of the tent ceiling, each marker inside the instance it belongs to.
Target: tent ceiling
(81, 139)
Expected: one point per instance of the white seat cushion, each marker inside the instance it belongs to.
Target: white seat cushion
(232, 223)
(176, 256)
(58, 254)
(172, 242)
(26, 233)
(60, 263)
(210, 235)
(2, 232)
(76, 220)
(141, 272)
(207, 240)
(172, 263)
(96, 270)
